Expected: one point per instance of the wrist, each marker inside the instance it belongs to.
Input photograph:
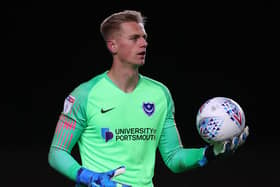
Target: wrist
(84, 176)
(209, 153)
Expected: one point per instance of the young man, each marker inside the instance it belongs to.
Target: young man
(119, 118)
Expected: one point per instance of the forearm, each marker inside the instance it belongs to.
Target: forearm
(63, 162)
(184, 159)
(177, 158)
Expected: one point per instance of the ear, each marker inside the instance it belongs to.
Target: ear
(112, 46)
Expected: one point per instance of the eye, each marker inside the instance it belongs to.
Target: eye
(134, 37)
(145, 37)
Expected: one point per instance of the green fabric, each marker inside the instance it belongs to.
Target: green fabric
(64, 163)
(127, 133)
(177, 158)
(69, 128)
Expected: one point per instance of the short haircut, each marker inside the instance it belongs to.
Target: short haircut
(112, 23)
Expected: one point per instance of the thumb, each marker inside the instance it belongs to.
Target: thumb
(115, 172)
(221, 147)
(243, 136)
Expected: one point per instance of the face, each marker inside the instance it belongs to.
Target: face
(130, 44)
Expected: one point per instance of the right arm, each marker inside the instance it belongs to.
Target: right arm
(69, 128)
(66, 135)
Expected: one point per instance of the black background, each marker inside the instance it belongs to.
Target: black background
(197, 50)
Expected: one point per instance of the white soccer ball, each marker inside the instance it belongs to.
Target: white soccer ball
(219, 119)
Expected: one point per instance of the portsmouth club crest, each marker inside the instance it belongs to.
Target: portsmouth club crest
(148, 108)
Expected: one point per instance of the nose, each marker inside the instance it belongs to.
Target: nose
(143, 42)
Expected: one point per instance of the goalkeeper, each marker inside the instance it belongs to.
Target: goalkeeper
(120, 117)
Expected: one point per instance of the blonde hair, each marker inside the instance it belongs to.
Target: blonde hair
(112, 23)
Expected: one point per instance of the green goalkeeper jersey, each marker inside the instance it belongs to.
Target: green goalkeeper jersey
(114, 128)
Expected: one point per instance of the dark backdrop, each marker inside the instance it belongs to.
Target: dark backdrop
(51, 47)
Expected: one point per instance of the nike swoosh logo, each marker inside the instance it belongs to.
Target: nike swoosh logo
(107, 110)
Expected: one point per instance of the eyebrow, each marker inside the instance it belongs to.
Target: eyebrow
(138, 36)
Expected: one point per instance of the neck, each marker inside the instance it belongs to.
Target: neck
(126, 78)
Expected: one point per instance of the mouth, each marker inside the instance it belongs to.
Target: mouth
(143, 53)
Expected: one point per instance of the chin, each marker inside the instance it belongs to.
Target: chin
(141, 64)
(138, 63)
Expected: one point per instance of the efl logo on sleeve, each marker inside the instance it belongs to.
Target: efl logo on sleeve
(68, 103)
